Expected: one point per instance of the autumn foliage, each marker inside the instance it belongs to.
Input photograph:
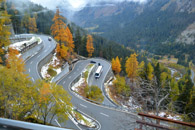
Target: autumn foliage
(45, 93)
(131, 66)
(32, 25)
(58, 29)
(13, 61)
(116, 65)
(69, 41)
(63, 36)
(89, 45)
(4, 30)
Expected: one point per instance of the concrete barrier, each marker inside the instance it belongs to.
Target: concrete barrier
(44, 61)
(60, 75)
(32, 51)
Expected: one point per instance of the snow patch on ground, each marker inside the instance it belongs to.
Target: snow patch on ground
(44, 71)
(173, 71)
(77, 84)
(175, 117)
(19, 45)
(82, 80)
(55, 62)
(88, 122)
(169, 116)
(85, 121)
(132, 104)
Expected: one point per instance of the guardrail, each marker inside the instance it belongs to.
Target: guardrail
(19, 38)
(160, 126)
(65, 70)
(26, 45)
(32, 51)
(45, 60)
(15, 124)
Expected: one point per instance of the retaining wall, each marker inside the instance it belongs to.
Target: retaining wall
(32, 51)
(44, 61)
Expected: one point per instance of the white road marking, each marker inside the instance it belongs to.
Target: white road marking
(31, 62)
(58, 123)
(104, 114)
(38, 56)
(64, 82)
(29, 70)
(33, 80)
(83, 105)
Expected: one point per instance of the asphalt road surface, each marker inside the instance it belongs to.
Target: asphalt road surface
(110, 119)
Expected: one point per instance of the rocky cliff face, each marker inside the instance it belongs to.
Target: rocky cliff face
(187, 36)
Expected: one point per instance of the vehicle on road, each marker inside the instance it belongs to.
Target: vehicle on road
(98, 72)
(49, 39)
(92, 62)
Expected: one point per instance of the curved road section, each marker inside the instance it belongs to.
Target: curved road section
(109, 118)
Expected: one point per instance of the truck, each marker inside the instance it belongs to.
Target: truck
(98, 72)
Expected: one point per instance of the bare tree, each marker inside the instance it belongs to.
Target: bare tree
(151, 95)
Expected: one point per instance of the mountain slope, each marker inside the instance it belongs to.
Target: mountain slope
(103, 47)
(134, 24)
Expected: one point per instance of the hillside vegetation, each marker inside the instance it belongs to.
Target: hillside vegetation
(153, 26)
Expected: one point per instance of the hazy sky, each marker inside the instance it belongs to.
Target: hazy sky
(77, 4)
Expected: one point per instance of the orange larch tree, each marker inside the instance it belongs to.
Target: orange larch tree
(64, 52)
(113, 64)
(116, 65)
(89, 46)
(58, 29)
(63, 36)
(69, 41)
(131, 66)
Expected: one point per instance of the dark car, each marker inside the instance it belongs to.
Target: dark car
(49, 39)
(92, 62)
(99, 64)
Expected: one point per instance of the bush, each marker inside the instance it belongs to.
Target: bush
(94, 93)
(51, 72)
(86, 75)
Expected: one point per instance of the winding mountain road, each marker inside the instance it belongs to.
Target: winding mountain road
(108, 117)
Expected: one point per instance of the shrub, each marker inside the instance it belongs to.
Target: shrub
(94, 93)
(51, 72)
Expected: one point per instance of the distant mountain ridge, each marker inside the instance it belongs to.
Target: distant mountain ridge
(139, 25)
